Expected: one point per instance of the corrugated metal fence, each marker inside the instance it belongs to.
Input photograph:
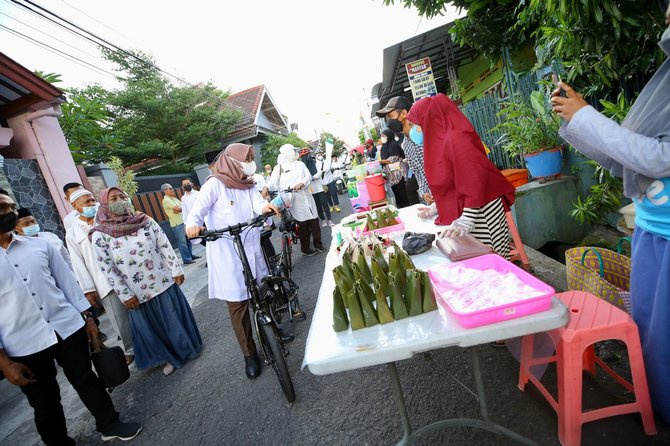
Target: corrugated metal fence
(151, 203)
(482, 113)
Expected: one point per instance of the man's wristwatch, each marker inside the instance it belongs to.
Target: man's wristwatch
(87, 315)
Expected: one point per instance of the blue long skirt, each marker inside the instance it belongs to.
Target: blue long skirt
(164, 330)
(650, 300)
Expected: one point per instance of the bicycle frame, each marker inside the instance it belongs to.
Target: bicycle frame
(255, 291)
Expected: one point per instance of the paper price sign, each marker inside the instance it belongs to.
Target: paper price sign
(421, 79)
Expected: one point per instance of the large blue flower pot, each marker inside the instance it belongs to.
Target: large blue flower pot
(544, 164)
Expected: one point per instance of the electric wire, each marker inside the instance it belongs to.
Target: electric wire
(72, 58)
(110, 46)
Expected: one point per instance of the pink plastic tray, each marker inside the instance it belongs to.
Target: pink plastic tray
(399, 227)
(496, 313)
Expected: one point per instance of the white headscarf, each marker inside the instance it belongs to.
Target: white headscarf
(287, 156)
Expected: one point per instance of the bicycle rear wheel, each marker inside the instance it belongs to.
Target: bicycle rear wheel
(274, 352)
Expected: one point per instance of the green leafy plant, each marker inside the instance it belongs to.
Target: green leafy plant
(528, 125)
(126, 176)
(604, 196)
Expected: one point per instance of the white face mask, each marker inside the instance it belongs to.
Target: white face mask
(248, 168)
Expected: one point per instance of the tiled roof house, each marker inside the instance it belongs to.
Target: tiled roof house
(260, 116)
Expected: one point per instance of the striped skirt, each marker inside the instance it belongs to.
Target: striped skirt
(491, 226)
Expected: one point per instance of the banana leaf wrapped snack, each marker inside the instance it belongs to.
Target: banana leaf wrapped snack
(340, 318)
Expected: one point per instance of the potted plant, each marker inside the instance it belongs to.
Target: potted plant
(530, 130)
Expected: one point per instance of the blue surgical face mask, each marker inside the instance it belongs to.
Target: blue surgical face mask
(415, 135)
(89, 211)
(31, 231)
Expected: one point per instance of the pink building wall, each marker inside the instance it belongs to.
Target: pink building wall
(42, 139)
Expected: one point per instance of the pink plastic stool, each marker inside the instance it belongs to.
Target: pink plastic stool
(591, 320)
(517, 252)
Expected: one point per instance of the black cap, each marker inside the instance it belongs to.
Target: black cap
(398, 102)
(23, 212)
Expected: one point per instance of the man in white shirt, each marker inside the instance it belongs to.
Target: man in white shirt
(28, 226)
(44, 318)
(189, 197)
(74, 215)
(91, 279)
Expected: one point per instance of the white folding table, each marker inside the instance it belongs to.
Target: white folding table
(330, 352)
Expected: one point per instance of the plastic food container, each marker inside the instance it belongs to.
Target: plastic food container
(495, 312)
(399, 227)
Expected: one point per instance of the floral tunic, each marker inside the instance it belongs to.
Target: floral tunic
(141, 264)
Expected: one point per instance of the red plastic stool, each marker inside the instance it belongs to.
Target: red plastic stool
(517, 251)
(591, 320)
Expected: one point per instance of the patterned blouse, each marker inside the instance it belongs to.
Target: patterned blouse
(141, 264)
(414, 157)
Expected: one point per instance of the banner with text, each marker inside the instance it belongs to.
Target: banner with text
(421, 79)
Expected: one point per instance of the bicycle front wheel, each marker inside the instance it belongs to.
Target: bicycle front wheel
(286, 254)
(275, 354)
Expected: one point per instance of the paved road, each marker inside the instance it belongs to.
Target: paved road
(211, 402)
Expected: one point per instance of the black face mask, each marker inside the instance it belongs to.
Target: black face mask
(8, 222)
(188, 188)
(394, 125)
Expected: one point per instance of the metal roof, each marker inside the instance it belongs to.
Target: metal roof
(437, 45)
(20, 88)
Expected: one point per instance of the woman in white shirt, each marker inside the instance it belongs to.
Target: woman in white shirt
(227, 198)
(289, 173)
(135, 254)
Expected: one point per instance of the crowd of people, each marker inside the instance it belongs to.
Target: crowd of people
(121, 259)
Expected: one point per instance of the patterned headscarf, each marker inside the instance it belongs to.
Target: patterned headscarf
(116, 225)
(229, 170)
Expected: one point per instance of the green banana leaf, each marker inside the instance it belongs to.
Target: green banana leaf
(369, 315)
(383, 311)
(427, 293)
(340, 319)
(398, 307)
(355, 312)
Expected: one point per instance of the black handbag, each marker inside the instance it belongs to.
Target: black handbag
(110, 365)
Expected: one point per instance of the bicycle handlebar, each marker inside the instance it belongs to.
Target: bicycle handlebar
(215, 234)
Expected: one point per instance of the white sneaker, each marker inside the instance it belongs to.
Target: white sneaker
(330, 223)
(324, 224)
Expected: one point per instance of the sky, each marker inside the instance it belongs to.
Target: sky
(319, 59)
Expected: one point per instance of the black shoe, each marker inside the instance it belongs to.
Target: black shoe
(194, 257)
(121, 431)
(321, 248)
(252, 366)
(310, 252)
(298, 316)
(285, 337)
(189, 263)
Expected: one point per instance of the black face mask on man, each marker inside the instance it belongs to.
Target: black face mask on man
(188, 187)
(8, 222)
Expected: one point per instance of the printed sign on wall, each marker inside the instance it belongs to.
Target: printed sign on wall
(421, 79)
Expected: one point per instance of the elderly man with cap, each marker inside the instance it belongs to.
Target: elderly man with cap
(173, 208)
(87, 269)
(395, 112)
(28, 226)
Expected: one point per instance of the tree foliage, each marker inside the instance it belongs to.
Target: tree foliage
(601, 42)
(271, 146)
(148, 118)
(156, 119)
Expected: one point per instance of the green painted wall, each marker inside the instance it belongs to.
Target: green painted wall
(478, 76)
(542, 212)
